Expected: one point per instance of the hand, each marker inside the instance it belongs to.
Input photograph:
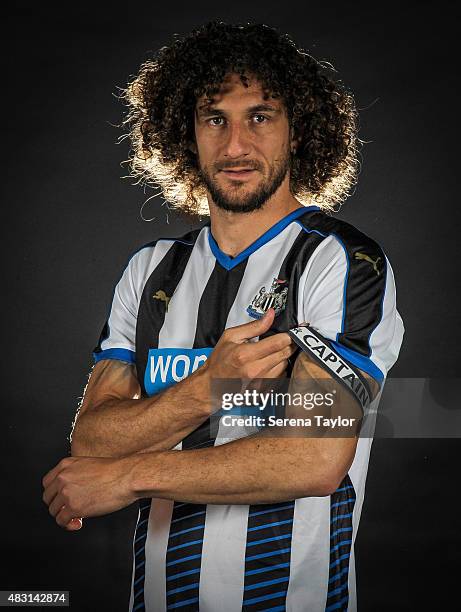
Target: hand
(235, 356)
(86, 486)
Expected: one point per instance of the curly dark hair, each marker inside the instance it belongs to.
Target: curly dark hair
(161, 100)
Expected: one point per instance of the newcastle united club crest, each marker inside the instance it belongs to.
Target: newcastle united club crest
(275, 298)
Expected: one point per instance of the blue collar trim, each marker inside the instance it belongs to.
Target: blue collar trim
(230, 262)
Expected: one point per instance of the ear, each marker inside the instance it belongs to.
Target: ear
(294, 140)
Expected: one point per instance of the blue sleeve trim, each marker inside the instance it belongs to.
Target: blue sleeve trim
(362, 362)
(115, 353)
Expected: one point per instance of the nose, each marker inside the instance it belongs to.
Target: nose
(238, 141)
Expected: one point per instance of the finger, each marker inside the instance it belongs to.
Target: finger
(271, 344)
(259, 384)
(280, 352)
(267, 346)
(267, 363)
(277, 370)
(50, 492)
(243, 332)
(56, 505)
(74, 524)
(51, 475)
(64, 517)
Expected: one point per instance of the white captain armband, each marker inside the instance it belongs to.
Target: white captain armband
(321, 349)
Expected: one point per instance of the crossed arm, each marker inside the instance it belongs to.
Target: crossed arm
(113, 422)
(133, 439)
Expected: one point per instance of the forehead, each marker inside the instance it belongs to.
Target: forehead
(233, 93)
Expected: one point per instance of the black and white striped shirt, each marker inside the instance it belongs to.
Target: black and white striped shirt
(174, 300)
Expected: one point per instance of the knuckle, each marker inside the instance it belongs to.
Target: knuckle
(284, 341)
(239, 358)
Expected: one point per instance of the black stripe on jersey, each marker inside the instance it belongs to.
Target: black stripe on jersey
(187, 527)
(291, 270)
(184, 555)
(139, 553)
(267, 557)
(151, 313)
(221, 291)
(274, 601)
(365, 282)
(342, 503)
(181, 547)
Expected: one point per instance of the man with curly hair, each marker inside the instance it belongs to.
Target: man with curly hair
(237, 122)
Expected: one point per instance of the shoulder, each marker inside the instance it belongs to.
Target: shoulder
(350, 237)
(349, 295)
(161, 246)
(344, 242)
(146, 258)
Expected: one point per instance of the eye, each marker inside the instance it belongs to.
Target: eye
(260, 118)
(216, 121)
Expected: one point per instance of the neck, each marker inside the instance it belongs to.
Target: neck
(234, 231)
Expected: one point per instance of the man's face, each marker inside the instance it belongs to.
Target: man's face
(243, 145)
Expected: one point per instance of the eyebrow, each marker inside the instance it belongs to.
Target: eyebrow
(207, 111)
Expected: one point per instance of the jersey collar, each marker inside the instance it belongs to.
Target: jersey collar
(230, 262)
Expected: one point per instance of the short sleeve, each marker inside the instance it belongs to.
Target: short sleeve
(347, 293)
(118, 336)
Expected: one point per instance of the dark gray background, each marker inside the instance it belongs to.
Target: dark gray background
(70, 223)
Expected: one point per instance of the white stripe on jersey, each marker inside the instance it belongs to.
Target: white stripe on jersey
(322, 298)
(156, 545)
(222, 574)
(124, 309)
(309, 555)
(180, 323)
(390, 326)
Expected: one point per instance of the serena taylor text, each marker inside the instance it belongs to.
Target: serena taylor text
(259, 421)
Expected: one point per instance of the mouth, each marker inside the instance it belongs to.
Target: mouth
(238, 173)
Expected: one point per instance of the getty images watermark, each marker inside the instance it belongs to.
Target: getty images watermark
(402, 408)
(265, 405)
(283, 407)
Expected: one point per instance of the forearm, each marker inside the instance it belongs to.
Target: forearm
(252, 470)
(119, 427)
